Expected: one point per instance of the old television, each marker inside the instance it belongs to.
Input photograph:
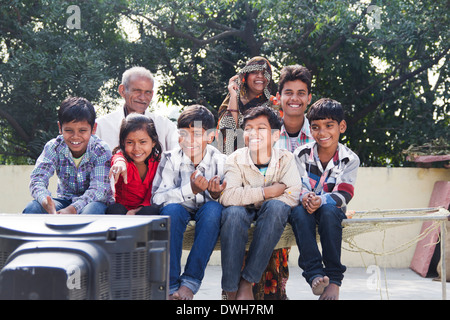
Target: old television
(95, 257)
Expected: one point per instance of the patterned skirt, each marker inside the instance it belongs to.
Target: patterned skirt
(272, 285)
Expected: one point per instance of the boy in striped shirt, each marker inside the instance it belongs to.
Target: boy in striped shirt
(328, 172)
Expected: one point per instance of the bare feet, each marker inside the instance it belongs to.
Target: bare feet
(331, 292)
(230, 295)
(245, 291)
(183, 293)
(319, 284)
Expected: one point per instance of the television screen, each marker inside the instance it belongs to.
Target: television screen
(94, 257)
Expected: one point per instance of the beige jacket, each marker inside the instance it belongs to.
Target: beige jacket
(245, 181)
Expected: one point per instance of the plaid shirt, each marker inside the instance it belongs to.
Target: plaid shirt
(87, 183)
(335, 183)
(303, 137)
(172, 183)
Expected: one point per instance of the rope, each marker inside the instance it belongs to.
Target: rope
(358, 222)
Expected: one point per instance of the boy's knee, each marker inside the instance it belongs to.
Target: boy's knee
(33, 207)
(330, 214)
(276, 209)
(298, 214)
(233, 214)
(95, 207)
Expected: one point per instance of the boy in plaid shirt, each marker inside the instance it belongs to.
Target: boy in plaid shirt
(187, 185)
(81, 161)
(328, 172)
(294, 95)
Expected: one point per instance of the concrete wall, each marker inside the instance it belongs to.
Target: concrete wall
(376, 188)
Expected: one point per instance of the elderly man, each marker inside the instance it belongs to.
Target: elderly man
(137, 90)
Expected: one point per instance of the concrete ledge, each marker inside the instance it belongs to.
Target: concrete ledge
(376, 188)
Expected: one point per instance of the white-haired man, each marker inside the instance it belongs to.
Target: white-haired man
(137, 90)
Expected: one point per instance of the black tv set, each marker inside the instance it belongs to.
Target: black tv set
(95, 257)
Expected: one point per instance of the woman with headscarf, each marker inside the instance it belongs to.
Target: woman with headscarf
(253, 86)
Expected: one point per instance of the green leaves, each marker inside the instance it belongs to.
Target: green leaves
(386, 62)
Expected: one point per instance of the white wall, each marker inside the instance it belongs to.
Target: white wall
(376, 188)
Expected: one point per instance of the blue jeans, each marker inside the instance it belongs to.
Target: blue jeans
(91, 208)
(329, 219)
(207, 229)
(271, 219)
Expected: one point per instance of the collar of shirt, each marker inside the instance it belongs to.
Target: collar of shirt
(63, 149)
(210, 162)
(342, 152)
(304, 136)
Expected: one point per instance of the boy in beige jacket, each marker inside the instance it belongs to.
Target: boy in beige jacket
(263, 184)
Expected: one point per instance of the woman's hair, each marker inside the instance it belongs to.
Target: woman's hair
(258, 64)
(134, 122)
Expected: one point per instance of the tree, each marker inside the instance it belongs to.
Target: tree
(373, 58)
(47, 56)
(387, 63)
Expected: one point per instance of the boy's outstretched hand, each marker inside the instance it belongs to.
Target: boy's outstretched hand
(199, 183)
(215, 188)
(49, 205)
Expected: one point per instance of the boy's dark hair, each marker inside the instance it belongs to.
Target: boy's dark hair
(76, 109)
(272, 117)
(325, 108)
(196, 113)
(293, 73)
(134, 122)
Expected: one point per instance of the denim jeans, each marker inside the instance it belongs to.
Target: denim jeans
(329, 219)
(271, 220)
(207, 229)
(91, 208)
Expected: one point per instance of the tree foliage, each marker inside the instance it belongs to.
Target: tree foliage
(386, 62)
(44, 61)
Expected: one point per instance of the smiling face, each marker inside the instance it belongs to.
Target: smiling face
(256, 81)
(294, 98)
(193, 142)
(76, 135)
(259, 138)
(326, 132)
(138, 146)
(138, 94)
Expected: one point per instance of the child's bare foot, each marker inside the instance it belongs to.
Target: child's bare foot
(245, 291)
(183, 293)
(331, 292)
(230, 295)
(319, 284)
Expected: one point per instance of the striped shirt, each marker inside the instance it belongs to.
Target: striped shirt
(289, 143)
(87, 183)
(172, 183)
(335, 183)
